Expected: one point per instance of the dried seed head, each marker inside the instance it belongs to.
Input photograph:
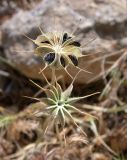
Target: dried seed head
(66, 49)
(59, 50)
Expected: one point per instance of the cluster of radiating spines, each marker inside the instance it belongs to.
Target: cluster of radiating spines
(60, 104)
(58, 49)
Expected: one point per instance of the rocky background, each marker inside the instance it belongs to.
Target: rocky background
(102, 20)
(101, 27)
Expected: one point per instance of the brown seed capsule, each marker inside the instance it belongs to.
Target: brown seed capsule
(73, 59)
(75, 43)
(65, 37)
(49, 58)
(62, 61)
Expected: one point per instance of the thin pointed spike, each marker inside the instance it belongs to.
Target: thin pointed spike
(22, 51)
(31, 98)
(90, 41)
(74, 121)
(75, 77)
(46, 79)
(63, 116)
(46, 36)
(79, 98)
(74, 108)
(49, 82)
(55, 113)
(28, 37)
(83, 70)
(104, 57)
(41, 30)
(43, 69)
(38, 85)
(51, 100)
(51, 107)
(68, 72)
(85, 113)
(53, 87)
(90, 95)
(74, 30)
(95, 131)
(91, 54)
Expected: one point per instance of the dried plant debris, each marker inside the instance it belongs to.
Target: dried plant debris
(56, 127)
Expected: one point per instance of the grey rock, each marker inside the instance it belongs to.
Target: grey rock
(92, 18)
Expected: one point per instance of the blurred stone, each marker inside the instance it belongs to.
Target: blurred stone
(105, 21)
(100, 156)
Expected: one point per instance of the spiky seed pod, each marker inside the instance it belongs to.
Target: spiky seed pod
(58, 49)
